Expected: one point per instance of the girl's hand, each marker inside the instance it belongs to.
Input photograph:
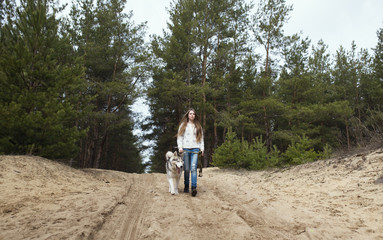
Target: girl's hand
(181, 150)
(202, 153)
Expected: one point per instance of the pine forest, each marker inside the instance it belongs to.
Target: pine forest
(265, 99)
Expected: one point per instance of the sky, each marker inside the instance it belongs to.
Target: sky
(336, 22)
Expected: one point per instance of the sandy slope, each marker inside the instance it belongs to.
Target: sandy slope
(334, 199)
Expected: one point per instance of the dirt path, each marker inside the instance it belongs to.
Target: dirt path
(127, 219)
(148, 211)
(334, 199)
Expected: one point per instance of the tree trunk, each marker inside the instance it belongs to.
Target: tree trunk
(189, 79)
(204, 71)
(265, 90)
(347, 135)
(215, 145)
(267, 128)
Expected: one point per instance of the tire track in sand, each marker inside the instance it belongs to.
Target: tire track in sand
(126, 220)
(221, 209)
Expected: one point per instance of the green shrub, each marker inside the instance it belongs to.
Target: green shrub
(327, 151)
(300, 152)
(228, 155)
(259, 156)
(234, 153)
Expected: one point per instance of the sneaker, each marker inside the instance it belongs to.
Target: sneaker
(194, 192)
(186, 190)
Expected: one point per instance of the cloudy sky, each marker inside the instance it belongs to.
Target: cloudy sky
(336, 22)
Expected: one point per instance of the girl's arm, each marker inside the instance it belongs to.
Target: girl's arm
(180, 140)
(202, 145)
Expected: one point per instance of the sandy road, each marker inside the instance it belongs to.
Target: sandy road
(127, 218)
(42, 199)
(339, 198)
(220, 211)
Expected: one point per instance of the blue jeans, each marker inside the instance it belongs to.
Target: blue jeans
(190, 163)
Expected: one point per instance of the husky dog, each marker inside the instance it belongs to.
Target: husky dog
(174, 168)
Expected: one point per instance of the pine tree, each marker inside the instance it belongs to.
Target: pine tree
(376, 94)
(197, 68)
(319, 67)
(372, 90)
(269, 19)
(173, 88)
(225, 76)
(115, 60)
(41, 84)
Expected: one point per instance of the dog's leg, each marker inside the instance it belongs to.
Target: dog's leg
(177, 183)
(171, 182)
(170, 185)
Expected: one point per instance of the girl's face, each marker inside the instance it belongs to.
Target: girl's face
(191, 115)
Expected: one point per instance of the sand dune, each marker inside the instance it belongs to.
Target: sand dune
(340, 198)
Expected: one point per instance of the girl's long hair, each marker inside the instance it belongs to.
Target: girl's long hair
(184, 121)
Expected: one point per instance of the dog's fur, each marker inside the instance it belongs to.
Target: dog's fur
(174, 169)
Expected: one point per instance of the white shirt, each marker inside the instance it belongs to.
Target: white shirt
(189, 138)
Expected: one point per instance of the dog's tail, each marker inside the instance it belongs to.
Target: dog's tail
(168, 155)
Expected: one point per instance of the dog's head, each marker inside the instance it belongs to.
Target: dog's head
(175, 160)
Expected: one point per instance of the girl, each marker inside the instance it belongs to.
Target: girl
(190, 142)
